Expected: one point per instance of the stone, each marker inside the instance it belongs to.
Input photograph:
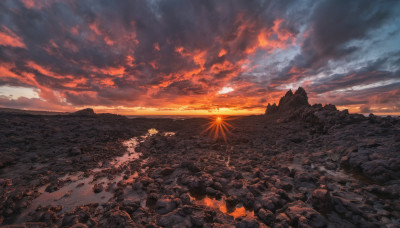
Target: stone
(247, 223)
(298, 209)
(84, 112)
(167, 171)
(164, 206)
(74, 151)
(169, 220)
(266, 216)
(97, 188)
(289, 103)
(321, 200)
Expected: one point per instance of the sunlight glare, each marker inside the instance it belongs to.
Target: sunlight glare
(218, 127)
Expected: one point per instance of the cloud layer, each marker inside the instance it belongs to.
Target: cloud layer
(176, 56)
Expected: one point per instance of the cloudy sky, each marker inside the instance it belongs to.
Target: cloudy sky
(198, 57)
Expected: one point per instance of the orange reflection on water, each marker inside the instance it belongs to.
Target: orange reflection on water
(221, 205)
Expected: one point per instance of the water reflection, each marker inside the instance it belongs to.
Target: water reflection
(235, 212)
(79, 192)
(78, 187)
(152, 131)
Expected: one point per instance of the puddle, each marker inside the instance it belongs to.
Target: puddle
(235, 212)
(78, 188)
(335, 174)
(130, 155)
(79, 192)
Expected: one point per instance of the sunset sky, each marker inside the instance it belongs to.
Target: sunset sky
(198, 57)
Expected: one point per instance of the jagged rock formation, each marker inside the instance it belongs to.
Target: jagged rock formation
(296, 107)
(289, 103)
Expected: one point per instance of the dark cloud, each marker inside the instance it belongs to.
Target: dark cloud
(166, 54)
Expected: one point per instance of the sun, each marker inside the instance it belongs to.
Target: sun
(218, 127)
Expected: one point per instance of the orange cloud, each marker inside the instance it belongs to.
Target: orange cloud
(107, 82)
(38, 4)
(222, 52)
(272, 38)
(113, 71)
(44, 70)
(8, 38)
(156, 47)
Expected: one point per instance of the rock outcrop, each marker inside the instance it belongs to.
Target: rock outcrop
(289, 103)
(295, 106)
(84, 112)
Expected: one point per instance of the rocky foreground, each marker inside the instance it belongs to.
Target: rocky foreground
(296, 166)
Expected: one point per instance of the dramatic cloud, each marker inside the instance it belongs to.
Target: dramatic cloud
(196, 57)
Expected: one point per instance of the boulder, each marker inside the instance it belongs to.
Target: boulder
(248, 223)
(266, 216)
(321, 200)
(97, 188)
(164, 206)
(300, 212)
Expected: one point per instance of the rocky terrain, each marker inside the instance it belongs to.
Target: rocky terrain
(296, 166)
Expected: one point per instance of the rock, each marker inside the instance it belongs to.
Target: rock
(185, 198)
(299, 209)
(266, 216)
(70, 220)
(388, 191)
(84, 112)
(167, 171)
(97, 188)
(85, 158)
(211, 191)
(170, 220)
(247, 223)
(52, 187)
(74, 151)
(197, 221)
(6, 160)
(289, 103)
(231, 201)
(117, 218)
(79, 225)
(164, 206)
(321, 200)
(282, 220)
(5, 182)
(190, 166)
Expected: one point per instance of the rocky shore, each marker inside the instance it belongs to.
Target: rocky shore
(299, 165)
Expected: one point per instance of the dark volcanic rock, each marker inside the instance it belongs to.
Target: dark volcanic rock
(164, 206)
(97, 188)
(289, 103)
(321, 200)
(266, 216)
(84, 112)
(299, 212)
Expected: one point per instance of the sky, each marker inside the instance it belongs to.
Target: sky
(166, 57)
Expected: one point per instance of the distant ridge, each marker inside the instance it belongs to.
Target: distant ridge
(84, 112)
(31, 112)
